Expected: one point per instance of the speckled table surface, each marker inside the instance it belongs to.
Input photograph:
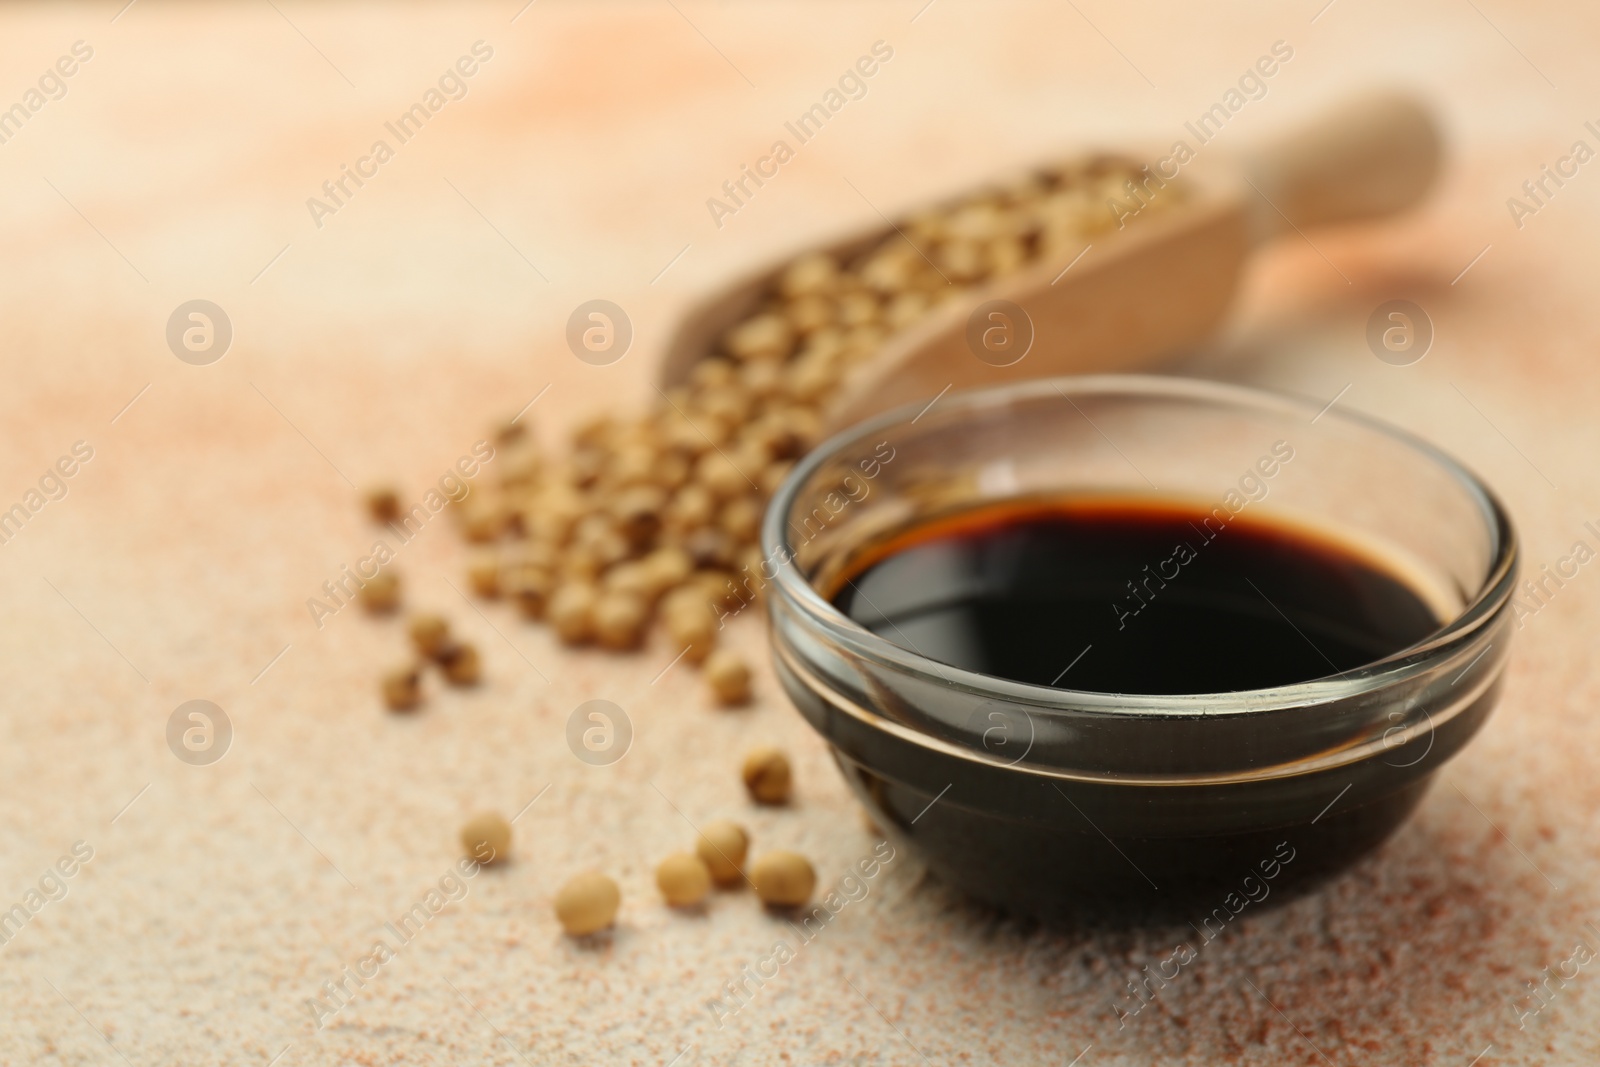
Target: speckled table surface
(380, 338)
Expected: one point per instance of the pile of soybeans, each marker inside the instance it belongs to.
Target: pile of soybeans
(655, 517)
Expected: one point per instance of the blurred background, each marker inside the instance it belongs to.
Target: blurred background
(376, 337)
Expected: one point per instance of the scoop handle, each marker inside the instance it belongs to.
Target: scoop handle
(1373, 155)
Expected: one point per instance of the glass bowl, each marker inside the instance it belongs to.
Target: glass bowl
(1059, 803)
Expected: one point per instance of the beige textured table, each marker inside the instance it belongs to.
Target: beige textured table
(378, 337)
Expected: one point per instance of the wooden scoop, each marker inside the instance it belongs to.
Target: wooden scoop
(1160, 283)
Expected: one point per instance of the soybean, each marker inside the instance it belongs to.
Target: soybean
(767, 775)
(380, 594)
(571, 612)
(729, 677)
(429, 633)
(587, 904)
(619, 619)
(684, 879)
(722, 846)
(460, 663)
(487, 837)
(383, 503)
(783, 879)
(402, 687)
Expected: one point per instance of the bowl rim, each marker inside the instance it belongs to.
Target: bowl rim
(1490, 598)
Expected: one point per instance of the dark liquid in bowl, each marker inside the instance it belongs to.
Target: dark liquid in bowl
(1131, 596)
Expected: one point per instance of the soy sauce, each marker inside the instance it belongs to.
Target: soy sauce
(1131, 596)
